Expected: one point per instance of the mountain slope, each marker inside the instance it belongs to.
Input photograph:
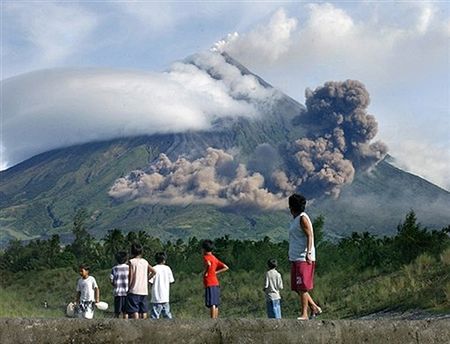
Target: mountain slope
(40, 196)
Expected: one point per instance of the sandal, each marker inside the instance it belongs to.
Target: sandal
(317, 312)
(302, 319)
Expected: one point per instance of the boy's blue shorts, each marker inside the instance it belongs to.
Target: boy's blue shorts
(212, 296)
(137, 304)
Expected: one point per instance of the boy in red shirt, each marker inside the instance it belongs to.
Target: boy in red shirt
(213, 266)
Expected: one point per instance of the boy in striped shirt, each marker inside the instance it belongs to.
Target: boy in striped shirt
(119, 281)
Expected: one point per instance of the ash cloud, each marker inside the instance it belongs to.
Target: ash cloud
(337, 146)
(339, 142)
(204, 180)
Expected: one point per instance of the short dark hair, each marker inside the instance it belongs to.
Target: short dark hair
(160, 257)
(121, 257)
(207, 245)
(84, 267)
(272, 263)
(297, 202)
(136, 249)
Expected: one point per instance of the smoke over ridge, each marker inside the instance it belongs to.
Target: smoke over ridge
(339, 139)
(337, 145)
(215, 179)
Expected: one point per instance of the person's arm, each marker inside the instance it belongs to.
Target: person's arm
(130, 276)
(280, 282)
(111, 278)
(266, 283)
(96, 290)
(151, 271)
(222, 269)
(97, 295)
(307, 229)
(78, 297)
(206, 264)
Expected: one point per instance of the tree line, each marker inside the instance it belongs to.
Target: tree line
(356, 252)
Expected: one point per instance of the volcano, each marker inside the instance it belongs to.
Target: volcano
(39, 196)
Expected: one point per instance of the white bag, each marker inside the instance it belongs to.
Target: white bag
(70, 309)
(103, 306)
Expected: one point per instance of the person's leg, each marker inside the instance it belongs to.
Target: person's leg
(117, 306)
(270, 310)
(212, 312)
(155, 311)
(166, 311)
(308, 284)
(143, 306)
(303, 305)
(132, 306)
(217, 301)
(123, 307)
(315, 309)
(276, 309)
(216, 312)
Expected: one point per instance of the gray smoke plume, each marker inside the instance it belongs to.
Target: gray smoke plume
(205, 180)
(339, 141)
(338, 145)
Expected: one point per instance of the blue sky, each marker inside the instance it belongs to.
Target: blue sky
(399, 50)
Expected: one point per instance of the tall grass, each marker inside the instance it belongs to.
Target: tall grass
(425, 284)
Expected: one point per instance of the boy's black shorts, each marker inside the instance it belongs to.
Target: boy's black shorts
(212, 296)
(120, 304)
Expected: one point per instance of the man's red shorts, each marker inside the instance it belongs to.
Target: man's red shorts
(302, 275)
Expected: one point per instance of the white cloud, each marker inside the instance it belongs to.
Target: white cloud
(424, 159)
(399, 55)
(55, 108)
(43, 35)
(266, 43)
(330, 39)
(144, 19)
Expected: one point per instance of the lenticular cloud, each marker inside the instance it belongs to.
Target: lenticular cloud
(49, 109)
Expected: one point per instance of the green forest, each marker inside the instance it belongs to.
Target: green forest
(358, 275)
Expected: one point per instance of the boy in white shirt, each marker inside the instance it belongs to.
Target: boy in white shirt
(88, 293)
(161, 288)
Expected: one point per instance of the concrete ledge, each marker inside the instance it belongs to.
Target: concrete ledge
(240, 331)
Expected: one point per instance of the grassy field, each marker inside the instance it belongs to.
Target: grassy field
(423, 284)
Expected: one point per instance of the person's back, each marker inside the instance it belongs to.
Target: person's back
(119, 280)
(139, 273)
(161, 288)
(161, 283)
(213, 266)
(272, 286)
(138, 276)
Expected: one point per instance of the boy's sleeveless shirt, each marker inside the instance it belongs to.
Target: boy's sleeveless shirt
(297, 241)
(139, 269)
